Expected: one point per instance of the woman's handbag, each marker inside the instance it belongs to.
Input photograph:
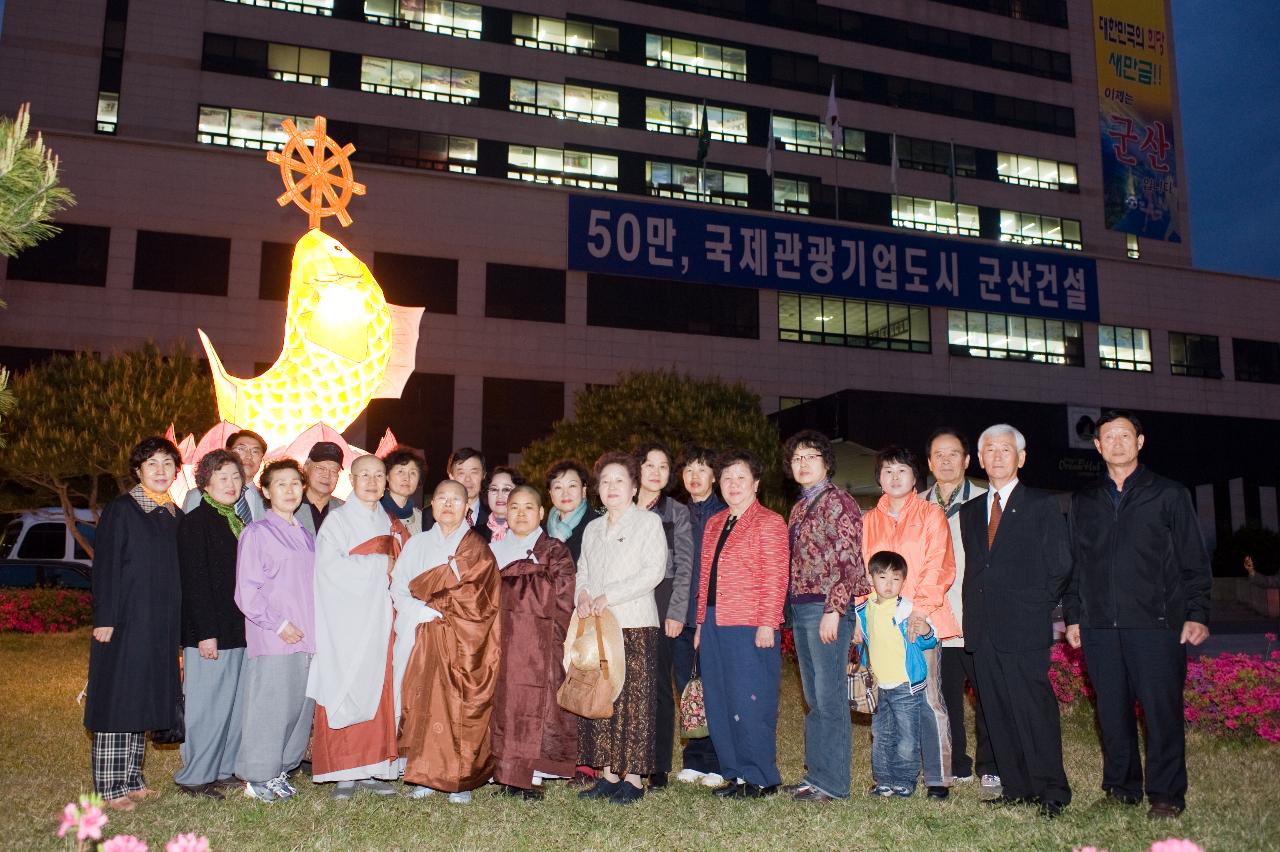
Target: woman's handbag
(862, 687)
(178, 733)
(693, 711)
(588, 692)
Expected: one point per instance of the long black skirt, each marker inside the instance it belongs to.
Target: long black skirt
(626, 741)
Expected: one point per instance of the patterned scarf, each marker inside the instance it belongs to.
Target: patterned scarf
(149, 500)
(563, 529)
(228, 512)
(952, 504)
(807, 494)
(497, 528)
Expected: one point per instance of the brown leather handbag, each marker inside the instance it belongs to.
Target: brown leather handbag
(588, 692)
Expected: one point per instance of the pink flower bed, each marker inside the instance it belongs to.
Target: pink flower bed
(44, 610)
(84, 821)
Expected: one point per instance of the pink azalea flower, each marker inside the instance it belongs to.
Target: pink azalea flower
(1175, 844)
(123, 843)
(187, 843)
(70, 817)
(1270, 637)
(91, 823)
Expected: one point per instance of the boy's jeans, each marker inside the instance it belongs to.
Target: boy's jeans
(895, 737)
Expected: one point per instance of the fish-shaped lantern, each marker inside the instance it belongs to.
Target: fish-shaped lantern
(343, 343)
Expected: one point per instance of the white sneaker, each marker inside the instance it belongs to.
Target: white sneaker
(421, 792)
(282, 780)
(690, 776)
(962, 779)
(262, 792)
(280, 787)
(711, 779)
(463, 798)
(991, 782)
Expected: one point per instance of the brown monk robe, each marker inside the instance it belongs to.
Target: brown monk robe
(531, 732)
(448, 685)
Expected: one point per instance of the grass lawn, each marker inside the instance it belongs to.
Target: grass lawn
(1234, 802)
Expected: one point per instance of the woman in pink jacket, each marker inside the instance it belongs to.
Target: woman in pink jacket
(916, 529)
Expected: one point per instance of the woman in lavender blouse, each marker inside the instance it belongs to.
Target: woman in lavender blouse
(275, 577)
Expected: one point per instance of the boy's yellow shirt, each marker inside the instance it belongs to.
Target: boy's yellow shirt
(888, 653)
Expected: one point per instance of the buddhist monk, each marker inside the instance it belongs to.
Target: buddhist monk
(445, 587)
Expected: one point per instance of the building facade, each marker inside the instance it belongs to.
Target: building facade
(969, 124)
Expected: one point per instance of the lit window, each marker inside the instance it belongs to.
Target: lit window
(814, 137)
(1194, 355)
(695, 57)
(684, 118)
(444, 17)
(543, 33)
(310, 7)
(1033, 171)
(1131, 246)
(578, 103)
(294, 64)
(1036, 230)
(940, 217)
(791, 196)
(972, 334)
(108, 111)
(853, 322)
(785, 402)
(414, 80)
(679, 180)
(244, 128)
(562, 167)
(1124, 348)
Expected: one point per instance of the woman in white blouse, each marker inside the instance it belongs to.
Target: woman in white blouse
(624, 558)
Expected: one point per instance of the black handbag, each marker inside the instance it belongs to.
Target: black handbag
(178, 733)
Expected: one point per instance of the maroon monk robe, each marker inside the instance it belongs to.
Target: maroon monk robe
(530, 730)
(447, 691)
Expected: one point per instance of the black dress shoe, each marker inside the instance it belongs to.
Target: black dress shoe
(533, 794)
(1051, 808)
(729, 790)
(939, 792)
(658, 781)
(755, 791)
(626, 794)
(1007, 801)
(203, 791)
(602, 789)
(1164, 810)
(811, 794)
(1115, 797)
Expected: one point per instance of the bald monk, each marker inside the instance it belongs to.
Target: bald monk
(445, 589)
(354, 732)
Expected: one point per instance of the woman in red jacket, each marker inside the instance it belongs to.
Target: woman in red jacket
(742, 587)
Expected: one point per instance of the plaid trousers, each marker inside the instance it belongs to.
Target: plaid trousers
(117, 763)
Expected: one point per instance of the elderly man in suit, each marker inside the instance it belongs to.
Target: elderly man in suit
(1017, 567)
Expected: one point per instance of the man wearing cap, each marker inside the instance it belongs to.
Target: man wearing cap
(323, 467)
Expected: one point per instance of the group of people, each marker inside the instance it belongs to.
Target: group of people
(379, 640)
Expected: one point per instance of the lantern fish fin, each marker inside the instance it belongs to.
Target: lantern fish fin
(405, 323)
(226, 386)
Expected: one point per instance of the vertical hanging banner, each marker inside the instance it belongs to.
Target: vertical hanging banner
(1135, 117)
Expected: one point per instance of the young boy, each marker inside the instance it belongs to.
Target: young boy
(899, 668)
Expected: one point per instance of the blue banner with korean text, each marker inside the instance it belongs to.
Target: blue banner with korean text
(716, 246)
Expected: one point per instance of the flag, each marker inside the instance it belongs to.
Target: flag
(704, 138)
(833, 116)
(893, 162)
(768, 151)
(951, 170)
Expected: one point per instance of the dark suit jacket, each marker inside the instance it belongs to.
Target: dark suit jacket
(1011, 589)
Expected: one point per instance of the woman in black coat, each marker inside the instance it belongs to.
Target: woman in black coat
(133, 659)
(213, 654)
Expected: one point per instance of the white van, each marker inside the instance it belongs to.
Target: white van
(39, 550)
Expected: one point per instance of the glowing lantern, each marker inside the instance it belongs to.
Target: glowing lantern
(343, 343)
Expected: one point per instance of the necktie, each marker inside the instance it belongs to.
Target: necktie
(242, 507)
(994, 523)
(471, 521)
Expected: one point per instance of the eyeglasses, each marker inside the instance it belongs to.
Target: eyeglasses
(497, 489)
(807, 457)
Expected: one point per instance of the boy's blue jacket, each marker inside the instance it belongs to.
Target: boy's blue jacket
(916, 667)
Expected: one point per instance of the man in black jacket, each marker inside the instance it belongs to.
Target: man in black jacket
(1016, 567)
(1139, 594)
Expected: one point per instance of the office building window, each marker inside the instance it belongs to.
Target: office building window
(517, 412)
(814, 137)
(562, 167)
(529, 293)
(680, 307)
(1124, 348)
(785, 402)
(695, 57)
(415, 149)
(77, 254)
(308, 7)
(564, 100)
(971, 334)
(246, 128)
(415, 80)
(1256, 360)
(252, 57)
(1194, 355)
(1051, 12)
(853, 322)
(940, 217)
(108, 111)
(679, 180)
(407, 279)
(404, 417)
(927, 155)
(1033, 171)
(292, 64)
(443, 17)
(181, 263)
(1131, 249)
(791, 195)
(274, 266)
(543, 33)
(1036, 230)
(685, 118)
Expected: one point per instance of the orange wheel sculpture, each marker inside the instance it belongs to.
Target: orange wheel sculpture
(320, 192)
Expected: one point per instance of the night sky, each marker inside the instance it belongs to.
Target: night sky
(1228, 56)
